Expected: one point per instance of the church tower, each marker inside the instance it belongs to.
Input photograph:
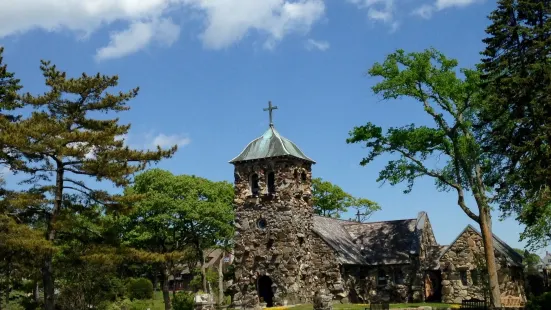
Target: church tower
(274, 221)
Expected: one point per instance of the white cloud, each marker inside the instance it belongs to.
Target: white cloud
(84, 147)
(379, 10)
(138, 36)
(444, 4)
(229, 21)
(165, 141)
(320, 45)
(426, 10)
(225, 21)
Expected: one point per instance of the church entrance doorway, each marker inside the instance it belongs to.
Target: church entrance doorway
(433, 286)
(265, 290)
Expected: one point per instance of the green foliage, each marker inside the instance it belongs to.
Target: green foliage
(515, 121)
(540, 302)
(179, 217)
(63, 141)
(212, 278)
(183, 301)
(430, 79)
(9, 86)
(330, 200)
(448, 150)
(140, 288)
(530, 261)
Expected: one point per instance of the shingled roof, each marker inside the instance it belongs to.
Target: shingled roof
(333, 232)
(384, 243)
(375, 243)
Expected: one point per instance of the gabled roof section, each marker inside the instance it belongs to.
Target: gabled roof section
(512, 256)
(375, 243)
(332, 231)
(383, 243)
(270, 144)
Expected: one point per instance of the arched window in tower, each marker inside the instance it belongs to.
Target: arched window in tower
(254, 184)
(271, 182)
(303, 176)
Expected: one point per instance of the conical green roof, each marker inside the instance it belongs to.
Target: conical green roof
(270, 144)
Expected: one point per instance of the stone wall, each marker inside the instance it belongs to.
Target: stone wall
(462, 263)
(363, 286)
(428, 241)
(273, 232)
(425, 262)
(327, 272)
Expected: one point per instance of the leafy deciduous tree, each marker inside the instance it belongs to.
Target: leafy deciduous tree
(330, 200)
(429, 78)
(176, 214)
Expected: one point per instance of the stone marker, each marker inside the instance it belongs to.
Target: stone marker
(322, 300)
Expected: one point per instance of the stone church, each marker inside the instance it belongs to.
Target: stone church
(283, 253)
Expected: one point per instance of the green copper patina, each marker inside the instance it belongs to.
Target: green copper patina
(270, 144)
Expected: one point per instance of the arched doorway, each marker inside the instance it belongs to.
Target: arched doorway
(265, 290)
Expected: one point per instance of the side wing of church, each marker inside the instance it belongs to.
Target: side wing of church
(283, 253)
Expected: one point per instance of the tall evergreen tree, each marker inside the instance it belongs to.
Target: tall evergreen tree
(9, 86)
(66, 141)
(516, 121)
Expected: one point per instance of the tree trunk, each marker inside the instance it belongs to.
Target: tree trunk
(204, 274)
(164, 286)
(47, 263)
(155, 283)
(221, 280)
(487, 239)
(35, 292)
(8, 276)
(48, 279)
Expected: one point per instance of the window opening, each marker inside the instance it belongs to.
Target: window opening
(475, 277)
(398, 276)
(254, 184)
(381, 277)
(261, 223)
(463, 276)
(271, 182)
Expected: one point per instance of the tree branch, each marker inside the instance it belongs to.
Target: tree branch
(458, 187)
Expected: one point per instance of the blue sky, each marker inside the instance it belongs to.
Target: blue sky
(207, 68)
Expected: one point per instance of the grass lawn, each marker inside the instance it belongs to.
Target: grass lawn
(364, 306)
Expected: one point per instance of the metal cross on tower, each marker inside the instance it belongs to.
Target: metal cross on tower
(270, 108)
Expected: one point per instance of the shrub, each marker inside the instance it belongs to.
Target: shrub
(541, 302)
(140, 288)
(182, 301)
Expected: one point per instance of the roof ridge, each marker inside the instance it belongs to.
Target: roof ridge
(366, 223)
(278, 136)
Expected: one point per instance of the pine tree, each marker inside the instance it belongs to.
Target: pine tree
(9, 86)
(65, 141)
(516, 120)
